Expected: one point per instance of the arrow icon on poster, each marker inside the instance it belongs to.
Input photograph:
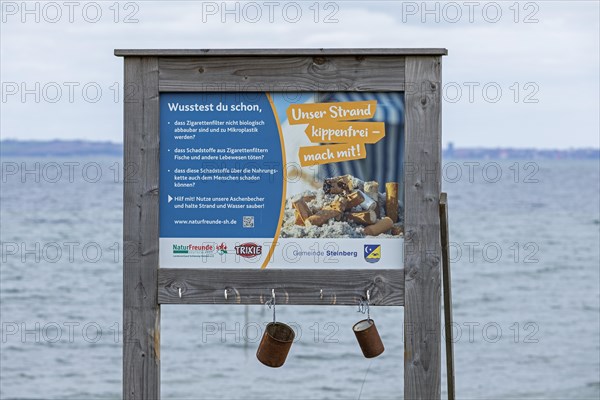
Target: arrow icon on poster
(169, 199)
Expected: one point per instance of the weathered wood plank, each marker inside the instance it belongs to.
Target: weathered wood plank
(141, 311)
(447, 283)
(422, 345)
(277, 52)
(292, 286)
(285, 73)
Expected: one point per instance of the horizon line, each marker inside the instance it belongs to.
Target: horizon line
(454, 147)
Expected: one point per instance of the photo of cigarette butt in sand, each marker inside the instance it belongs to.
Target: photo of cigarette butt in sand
(345, 207)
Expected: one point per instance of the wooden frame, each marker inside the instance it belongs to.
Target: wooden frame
(417, 72)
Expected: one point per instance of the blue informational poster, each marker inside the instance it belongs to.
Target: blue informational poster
(221, 166)
(254, 179)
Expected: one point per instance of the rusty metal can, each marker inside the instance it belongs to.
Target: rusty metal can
(275, 344)
(368, 338)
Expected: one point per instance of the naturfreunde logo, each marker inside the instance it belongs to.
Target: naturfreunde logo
(192, 250)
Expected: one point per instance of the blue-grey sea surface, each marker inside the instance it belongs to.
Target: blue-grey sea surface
(525, 252)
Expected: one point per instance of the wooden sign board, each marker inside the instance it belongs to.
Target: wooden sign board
(219, 207)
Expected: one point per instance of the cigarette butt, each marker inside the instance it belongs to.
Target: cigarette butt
(397, 230)
(391, 201)
(354, 199)
(321, 217)
(368, 204)
(372, 190)
(302, 209)
(339, 205)
(299, 220)
(381, 226)
(338, 185)
(348, 180)
(358, 183)
(306, 197)
(363, 218)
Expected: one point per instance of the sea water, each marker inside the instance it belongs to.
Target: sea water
(525, 269)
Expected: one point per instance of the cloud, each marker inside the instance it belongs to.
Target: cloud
(559, 54)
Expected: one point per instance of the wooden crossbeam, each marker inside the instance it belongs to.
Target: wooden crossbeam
(292, 286)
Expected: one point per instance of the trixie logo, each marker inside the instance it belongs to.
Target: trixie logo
(248, 250)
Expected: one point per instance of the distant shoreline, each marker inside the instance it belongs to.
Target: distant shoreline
(74, 148)
(53, 148)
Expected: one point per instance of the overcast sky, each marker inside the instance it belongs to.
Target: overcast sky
(546, 64)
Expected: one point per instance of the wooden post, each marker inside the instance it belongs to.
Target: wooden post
(447, 283)
(141, 311)
(422, 347)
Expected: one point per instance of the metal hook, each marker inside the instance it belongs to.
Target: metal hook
(368, 301)
(271, 303)
(321, 294)
(363, 305)
(225, 294)
(179, 292)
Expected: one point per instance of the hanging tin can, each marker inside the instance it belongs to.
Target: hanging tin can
(275, 344)
(368, 338)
